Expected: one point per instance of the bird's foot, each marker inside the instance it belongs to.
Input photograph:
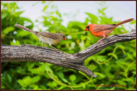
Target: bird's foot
(45, 47)
(54, 48)
(99, 41)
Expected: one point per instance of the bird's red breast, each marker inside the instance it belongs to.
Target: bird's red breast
(94, 29)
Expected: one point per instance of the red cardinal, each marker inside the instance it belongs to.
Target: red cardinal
(104, 30)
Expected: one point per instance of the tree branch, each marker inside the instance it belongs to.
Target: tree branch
(74, 61)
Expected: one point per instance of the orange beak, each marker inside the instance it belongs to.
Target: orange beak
(86, 29)
(64, 38)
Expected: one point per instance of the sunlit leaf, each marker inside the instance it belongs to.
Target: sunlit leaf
(133, 22)
(45, 8)
(35, 79)
(72, 77)
(8, 29)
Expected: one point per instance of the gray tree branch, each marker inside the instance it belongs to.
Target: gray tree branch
(74, 61)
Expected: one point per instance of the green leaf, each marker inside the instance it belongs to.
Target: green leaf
(49, 84)
(23, 33)
(27, 20)
(33, 37)
(104, 8)
(9, 78)
(4, 15)
(54, 84)
(100, 75)
(133, 22)
(112, 88)
(19, 12)
(8, 29)
(45, 8)
(130, 56)
(122, 47)
(35, 79)
(34, 71)
(72, 77)
(61, 75)
(57, 12)
(16, 42)
(134, 72)
(52, 12)
(42, 87)
(83, 74)
(35, 87)
(93, 18)
(121, 82)
(43, 1)
(27, 80)
(21, 83)
(48, 69)
(114, 55)
(101, 58)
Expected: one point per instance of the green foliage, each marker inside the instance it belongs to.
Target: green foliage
(9, 17)
(114, 65)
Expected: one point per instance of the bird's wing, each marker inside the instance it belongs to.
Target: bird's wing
(99, 28)
(49, 35)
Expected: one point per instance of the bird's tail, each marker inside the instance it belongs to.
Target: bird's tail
(125, 21)
(19, 26)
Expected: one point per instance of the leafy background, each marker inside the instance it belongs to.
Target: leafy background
(114, 66)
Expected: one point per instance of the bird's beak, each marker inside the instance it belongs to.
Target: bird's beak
(86, 29)
(64, 38)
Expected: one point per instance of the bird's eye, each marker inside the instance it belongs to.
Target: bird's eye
(87, 27)
(63, 36)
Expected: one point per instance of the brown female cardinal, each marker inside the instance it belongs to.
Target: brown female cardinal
(104, 30)
(45, 37)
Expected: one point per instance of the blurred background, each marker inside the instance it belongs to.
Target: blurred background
(114, 65)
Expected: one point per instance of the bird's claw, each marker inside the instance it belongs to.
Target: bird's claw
(99, 41)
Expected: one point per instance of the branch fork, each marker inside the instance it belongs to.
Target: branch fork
(74, 61)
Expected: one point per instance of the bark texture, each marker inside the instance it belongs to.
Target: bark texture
(56, 57)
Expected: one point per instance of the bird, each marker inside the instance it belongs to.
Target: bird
(46, 37)
(103, 31)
